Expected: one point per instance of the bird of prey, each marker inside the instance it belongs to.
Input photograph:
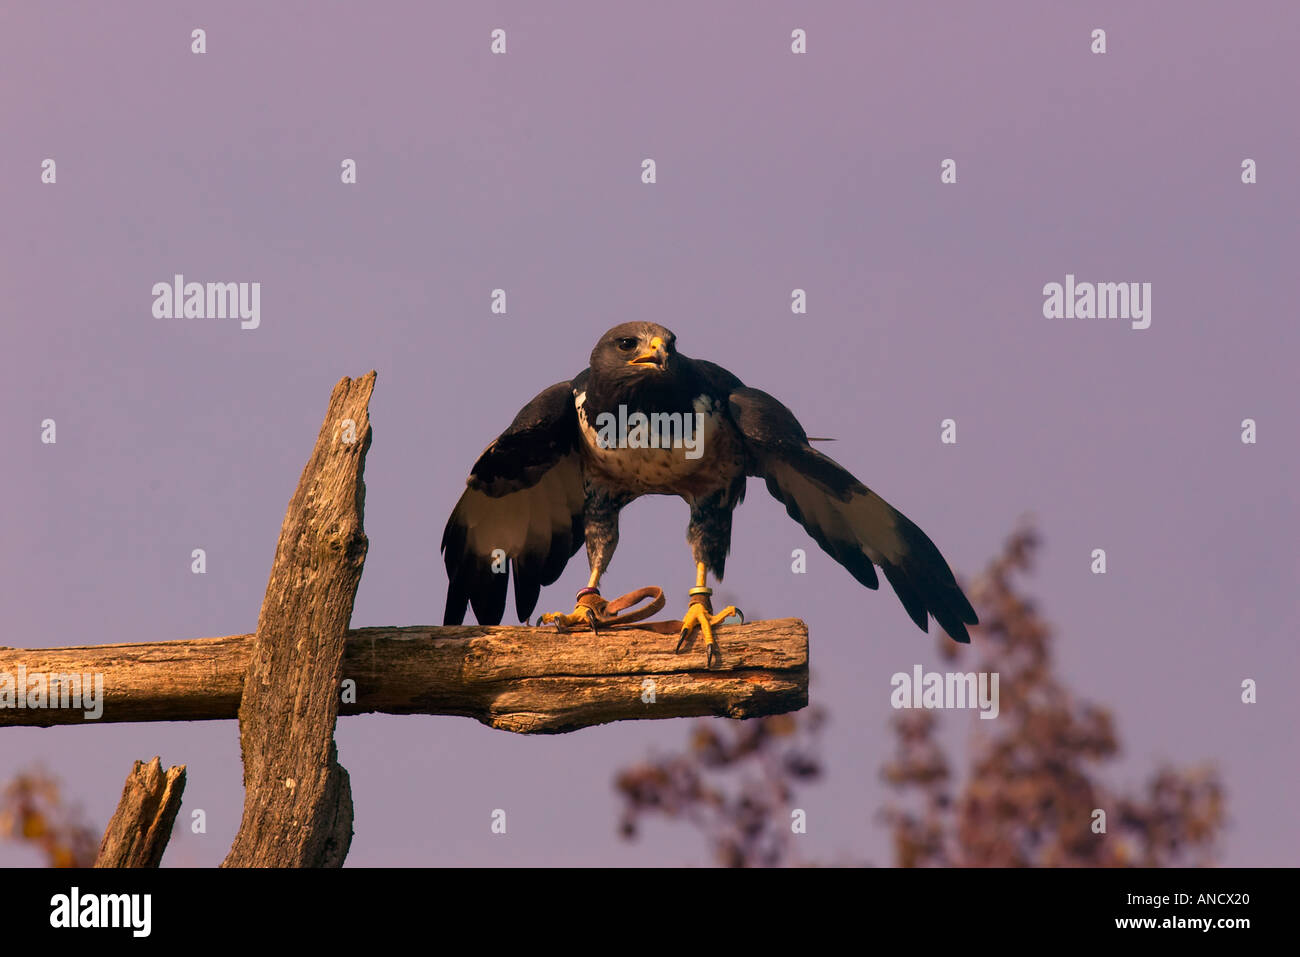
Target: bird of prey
(643, 419)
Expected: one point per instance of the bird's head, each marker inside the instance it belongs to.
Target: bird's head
(634, 349)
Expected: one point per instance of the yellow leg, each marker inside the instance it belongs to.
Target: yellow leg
(699, 614)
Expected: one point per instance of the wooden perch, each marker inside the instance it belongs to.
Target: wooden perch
(297, 797)
(512, 677)
(142, 824)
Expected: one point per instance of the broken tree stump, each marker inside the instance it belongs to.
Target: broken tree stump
(138, 833)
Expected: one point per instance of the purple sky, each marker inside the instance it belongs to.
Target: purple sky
(775, 171)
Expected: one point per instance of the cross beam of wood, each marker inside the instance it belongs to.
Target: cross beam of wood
(511, 677)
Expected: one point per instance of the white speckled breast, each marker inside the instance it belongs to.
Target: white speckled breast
(669, 471)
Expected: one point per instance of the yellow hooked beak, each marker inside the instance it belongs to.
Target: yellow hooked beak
(655, 355)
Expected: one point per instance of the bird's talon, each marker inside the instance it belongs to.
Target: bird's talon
(699, 614)
(581, 615)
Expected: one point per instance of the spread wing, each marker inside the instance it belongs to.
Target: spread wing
(851, 523)
(524, 497)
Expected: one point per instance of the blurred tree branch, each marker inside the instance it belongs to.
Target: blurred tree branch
(748, 824)
(1030, 791)
(32, 811)
(1027, 797)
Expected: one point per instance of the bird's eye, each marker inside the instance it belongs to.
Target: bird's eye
(627, 344)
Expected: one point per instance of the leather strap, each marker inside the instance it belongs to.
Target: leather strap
(612, 613)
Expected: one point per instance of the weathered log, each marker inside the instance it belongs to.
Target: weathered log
(512, 677)
(138, 833)
(297, 797)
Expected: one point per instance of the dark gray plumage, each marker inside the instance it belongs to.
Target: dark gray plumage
(545, 486)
